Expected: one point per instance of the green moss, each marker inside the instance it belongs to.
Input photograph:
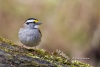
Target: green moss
(6, 41)
(79, 64)
(58, 59)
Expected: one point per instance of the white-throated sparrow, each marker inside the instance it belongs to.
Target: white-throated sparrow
(29, 33)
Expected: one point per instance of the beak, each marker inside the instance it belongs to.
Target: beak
(38, 23)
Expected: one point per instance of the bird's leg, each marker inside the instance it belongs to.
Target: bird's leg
(21, 47)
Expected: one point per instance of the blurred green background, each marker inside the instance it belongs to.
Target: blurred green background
(69, 25)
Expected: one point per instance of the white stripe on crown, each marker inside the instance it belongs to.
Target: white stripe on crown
(30, 20)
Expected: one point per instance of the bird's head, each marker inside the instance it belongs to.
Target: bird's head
(32, 23)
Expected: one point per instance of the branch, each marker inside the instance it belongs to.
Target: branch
(12, 55)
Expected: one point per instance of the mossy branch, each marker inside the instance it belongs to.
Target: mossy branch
(12, 55)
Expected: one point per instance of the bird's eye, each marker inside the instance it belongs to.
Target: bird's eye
(27, 23)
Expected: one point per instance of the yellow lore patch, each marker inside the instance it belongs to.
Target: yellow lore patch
(35, 21)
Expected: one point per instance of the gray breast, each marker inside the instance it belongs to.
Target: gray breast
(29, 37)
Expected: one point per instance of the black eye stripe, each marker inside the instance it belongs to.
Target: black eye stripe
(34, 22)
(28, 23)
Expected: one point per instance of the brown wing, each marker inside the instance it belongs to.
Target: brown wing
(40, 33)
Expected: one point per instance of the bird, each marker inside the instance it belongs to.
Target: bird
(29, 33)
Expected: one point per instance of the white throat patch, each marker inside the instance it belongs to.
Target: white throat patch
(36, 26)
